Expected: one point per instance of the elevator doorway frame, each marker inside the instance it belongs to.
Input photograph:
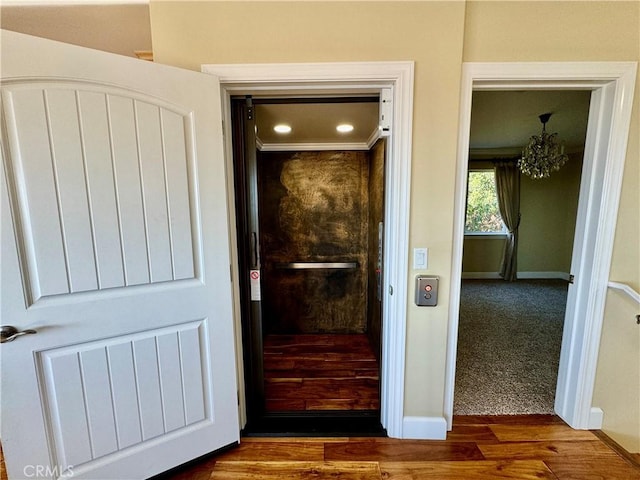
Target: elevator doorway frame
(344, 79)
(257, 314)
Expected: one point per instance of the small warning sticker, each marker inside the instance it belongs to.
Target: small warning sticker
(255, 285)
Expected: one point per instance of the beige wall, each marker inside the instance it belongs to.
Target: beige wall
(548, 207)
(482, 254)
(522, 31)
(617, 390)
(438, 36)
(121, 29)
(430, 33)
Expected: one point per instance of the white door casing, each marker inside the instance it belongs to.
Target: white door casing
(115, 249)
(300, 79)
(612, 85)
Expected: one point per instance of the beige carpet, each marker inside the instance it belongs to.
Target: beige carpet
(509, 342)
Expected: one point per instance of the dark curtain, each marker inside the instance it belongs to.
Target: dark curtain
(508, 190)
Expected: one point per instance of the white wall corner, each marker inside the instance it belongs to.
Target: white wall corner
(596, 417)
(424, 428)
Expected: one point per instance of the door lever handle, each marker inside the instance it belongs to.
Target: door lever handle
(9, 333)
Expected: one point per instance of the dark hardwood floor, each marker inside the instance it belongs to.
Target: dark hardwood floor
(320, 372)
(478, 448)
(522, 447)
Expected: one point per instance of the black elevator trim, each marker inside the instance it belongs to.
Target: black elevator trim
(329, 423)
(260, 422)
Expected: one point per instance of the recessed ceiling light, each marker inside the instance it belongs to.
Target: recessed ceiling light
(344, 128)
(282, 128)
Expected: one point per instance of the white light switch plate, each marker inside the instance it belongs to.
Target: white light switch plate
(420, 258)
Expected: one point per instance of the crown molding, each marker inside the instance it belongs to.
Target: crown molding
(318, 146)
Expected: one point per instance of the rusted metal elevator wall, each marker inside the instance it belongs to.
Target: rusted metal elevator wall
(314, 208)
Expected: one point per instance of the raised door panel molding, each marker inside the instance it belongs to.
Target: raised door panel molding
(131, 389)
(137, 228)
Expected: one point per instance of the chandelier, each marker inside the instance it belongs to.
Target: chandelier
(543, 154)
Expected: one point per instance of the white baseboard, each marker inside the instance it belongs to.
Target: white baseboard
(521, 275)
(481, 275)
(424, 428)
(596, 417)
(544, 275)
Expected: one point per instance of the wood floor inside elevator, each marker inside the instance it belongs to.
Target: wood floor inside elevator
(320, 372)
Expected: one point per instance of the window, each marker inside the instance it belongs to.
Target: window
(483, 215)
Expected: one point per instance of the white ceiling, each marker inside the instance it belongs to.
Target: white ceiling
(503, 121)
(315, 123)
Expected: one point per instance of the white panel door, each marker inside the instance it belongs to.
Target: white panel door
(115, 250)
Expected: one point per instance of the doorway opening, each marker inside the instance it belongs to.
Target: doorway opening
(611, 85)
(310, 216)
(510, 329)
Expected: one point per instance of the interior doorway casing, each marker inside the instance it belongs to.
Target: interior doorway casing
(612, 85)
(346, 79)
